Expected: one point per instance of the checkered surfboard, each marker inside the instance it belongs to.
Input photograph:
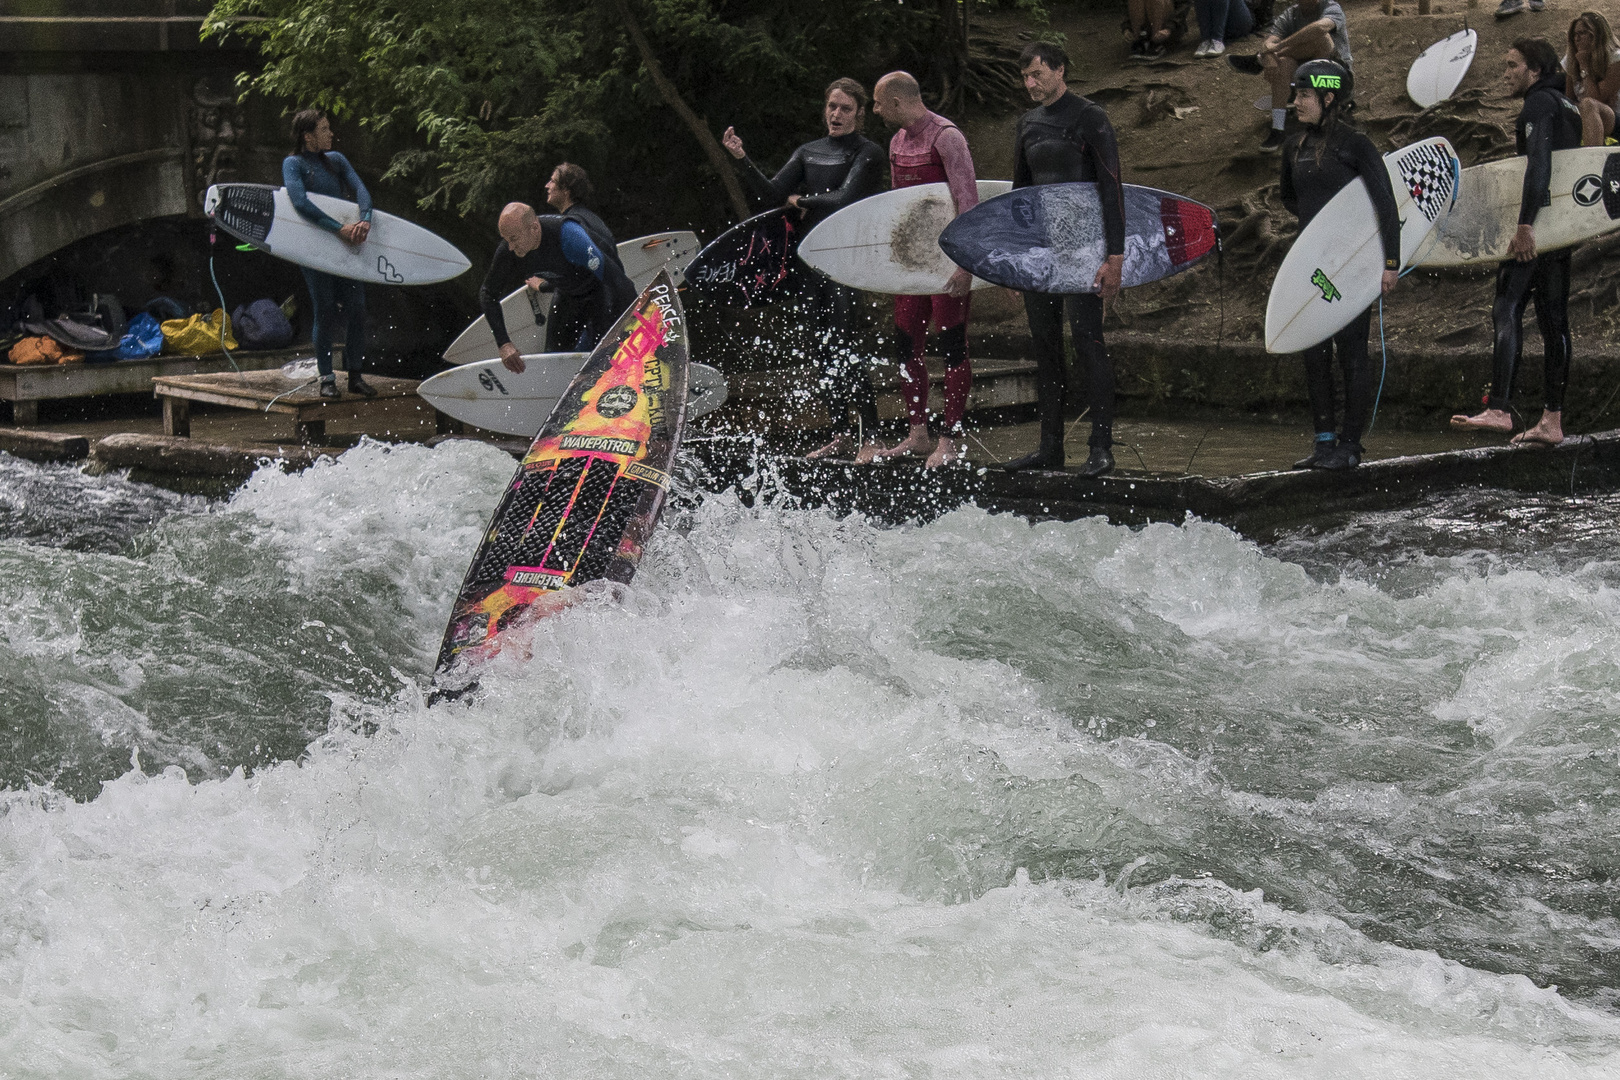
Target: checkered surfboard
(1429, 170)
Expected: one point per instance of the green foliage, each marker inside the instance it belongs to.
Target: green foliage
(478, 99)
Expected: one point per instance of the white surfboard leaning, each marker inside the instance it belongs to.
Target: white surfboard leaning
(396, 252)
(1439, 69)
(889, 243)
(488, 396)
(1336, 266)
(1584, 202)
(526, 311)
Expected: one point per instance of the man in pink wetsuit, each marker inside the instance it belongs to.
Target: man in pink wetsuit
(929, 149)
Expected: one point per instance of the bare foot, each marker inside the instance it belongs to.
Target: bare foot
(840, 444)
(915, 442)
(946, 453)
(1548, 432)
(872, 449)
(1489, 420)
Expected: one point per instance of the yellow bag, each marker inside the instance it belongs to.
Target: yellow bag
(196, 336)
(42, 350)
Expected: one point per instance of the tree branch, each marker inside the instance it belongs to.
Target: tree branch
(711, 146)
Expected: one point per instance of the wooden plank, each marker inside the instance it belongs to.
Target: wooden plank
(177, 417)
(45, 382)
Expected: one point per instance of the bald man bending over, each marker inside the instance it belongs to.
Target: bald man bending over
(549, 251)
(929, 149)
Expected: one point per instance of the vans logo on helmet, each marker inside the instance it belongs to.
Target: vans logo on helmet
(1324, 82)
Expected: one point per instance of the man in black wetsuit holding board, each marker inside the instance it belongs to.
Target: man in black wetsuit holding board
(1549, 121)
(1064, 139)
(822, 177)
(551, 251)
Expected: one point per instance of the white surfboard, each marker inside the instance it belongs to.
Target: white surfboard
(396, 252)
(1584, 202)
(488, 396)
(1335, 268)
(889, 243)
(1438, 70)
(526, 311)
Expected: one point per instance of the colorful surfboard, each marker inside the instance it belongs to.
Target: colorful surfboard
(1049, 238)
(588, 493)
(749, 262)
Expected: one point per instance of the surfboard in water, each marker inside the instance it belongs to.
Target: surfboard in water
(488, 396)
(889, 242)
(1049, 238)
(749, 262)
(396, 252)
(526, 310)
(1583, 203)
(1439, 69)
(587, 495)
(1335, 268)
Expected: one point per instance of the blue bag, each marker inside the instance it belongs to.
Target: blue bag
(143, 337)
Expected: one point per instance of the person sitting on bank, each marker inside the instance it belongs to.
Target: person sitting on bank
(1592, 76)
(314, 166)
(1548, 121)
(550, 251)
(567, 192)
(1220, 21)
(1150, 27)
(1307, 30)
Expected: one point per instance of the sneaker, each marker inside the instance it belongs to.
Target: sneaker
(1216, 48)
(1510, 7)
(1274, 141)
(1537, 5)
(1202, 50)
(1250, 64)
(329, 388)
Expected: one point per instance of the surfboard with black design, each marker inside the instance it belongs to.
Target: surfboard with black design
(749, 262)
(588, 494)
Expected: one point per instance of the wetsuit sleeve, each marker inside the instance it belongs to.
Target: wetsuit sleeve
(1022, 177)
(953, 151)
(292, 178)
(774, 190)
(501, 270)
(1290, 194)
(580, 250)
(1098, 136)
(1538, 153)
(361, 195)
(1374, 173)
(864, 177)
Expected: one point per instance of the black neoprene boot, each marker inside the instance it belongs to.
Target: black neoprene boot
(1321, 450)
(1048, 456)
(329, 388)
(1347, 455)
(357, 385)
(1100, 462)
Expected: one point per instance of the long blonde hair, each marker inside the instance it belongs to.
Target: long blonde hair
(1603, 44)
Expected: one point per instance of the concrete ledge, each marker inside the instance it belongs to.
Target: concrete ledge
(188, 457)
(43, 445)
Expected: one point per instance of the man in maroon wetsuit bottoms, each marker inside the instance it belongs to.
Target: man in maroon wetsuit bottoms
(929, 149)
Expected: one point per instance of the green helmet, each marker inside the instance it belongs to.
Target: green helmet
(1324, 77)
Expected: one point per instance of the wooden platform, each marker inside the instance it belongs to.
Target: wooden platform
(25, 386)
(272, 392)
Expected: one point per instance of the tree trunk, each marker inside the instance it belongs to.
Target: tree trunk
(711, 146)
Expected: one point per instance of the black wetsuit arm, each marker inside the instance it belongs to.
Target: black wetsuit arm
(864, 175)
(1022, 176)
(1290, 194)
(1539, 117)
(1374, 173)
(774, 190)
(1098, 134)
(501, 269)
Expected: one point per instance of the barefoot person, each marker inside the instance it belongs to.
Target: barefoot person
(1592, 65)
(929, 149)
(1067, 138)
(1548, 121)
(1316, 164)
(821, 177)
(314, 166)
(1308, 30)
(550, 251)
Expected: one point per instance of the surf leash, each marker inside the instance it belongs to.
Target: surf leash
(213, 239)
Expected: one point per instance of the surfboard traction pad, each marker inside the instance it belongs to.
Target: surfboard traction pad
(587, 495)
(246, 211)
(1025, 239)
(748, 263)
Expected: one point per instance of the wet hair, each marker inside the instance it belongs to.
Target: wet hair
(1602, 46)
(1048, 53)
(305, 121)
(573, 180)
(855, 90)
(1539, 55)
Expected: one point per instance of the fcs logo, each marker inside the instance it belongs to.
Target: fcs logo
(1330, 291)
(1324, 82)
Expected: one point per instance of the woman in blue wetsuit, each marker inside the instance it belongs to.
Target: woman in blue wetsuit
(314, 166)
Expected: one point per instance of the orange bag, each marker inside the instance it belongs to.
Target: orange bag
(42, 350)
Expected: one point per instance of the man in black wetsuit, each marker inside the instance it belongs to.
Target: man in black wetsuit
(567, 192)
(1066, 138)
(1549, 121)
(551, 251)
(1317, 163)
(822, 177)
